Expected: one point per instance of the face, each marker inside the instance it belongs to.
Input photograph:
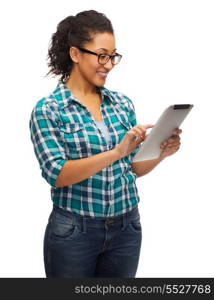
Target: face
(88, 66)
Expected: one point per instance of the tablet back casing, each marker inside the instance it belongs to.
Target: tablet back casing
(171, 118)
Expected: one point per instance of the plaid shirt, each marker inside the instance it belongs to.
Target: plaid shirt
(63, 129)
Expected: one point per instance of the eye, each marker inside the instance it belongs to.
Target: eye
(103, 58)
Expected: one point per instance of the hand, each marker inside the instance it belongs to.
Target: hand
(171, 145)
(132, 139)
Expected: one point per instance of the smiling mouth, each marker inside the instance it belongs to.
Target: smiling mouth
(102, 74)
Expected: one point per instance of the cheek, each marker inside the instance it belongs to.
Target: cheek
(90, 67)
(89, 72)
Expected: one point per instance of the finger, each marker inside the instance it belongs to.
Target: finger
(139, 131)
(167, 142)
(170, 146)
(147, 126)
(176, 131)
(133, 135)
(138, 135)
(173, 139)
(172, 149)
(174, 143)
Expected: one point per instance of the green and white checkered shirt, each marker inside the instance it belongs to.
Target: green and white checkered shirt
(63, 129)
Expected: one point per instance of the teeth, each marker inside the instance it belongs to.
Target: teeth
(101, 73)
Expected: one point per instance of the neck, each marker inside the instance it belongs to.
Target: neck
(79, 86)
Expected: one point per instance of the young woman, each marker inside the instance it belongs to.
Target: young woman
(85, 137)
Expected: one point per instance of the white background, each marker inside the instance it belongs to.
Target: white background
(167, 49)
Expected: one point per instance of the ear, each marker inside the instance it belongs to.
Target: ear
(74, 54)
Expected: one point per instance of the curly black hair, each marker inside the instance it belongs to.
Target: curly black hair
(74, 31)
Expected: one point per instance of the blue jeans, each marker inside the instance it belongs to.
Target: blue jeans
(77, 246)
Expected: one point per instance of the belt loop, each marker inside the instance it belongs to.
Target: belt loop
(74, 219)
(124, 221)
(84, 224)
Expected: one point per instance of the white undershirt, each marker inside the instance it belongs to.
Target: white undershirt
(102, 126)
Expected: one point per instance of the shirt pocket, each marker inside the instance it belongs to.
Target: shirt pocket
(123, 128)
(126, 125)
(75, 140)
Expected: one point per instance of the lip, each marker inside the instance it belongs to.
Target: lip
(102, 74)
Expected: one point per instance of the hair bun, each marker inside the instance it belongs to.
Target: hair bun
(65, 24)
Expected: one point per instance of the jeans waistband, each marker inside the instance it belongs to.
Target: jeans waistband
(99, 221)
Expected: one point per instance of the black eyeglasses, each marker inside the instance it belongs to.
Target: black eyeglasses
(104, 58)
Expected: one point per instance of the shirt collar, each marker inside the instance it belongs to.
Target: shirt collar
(64, 96)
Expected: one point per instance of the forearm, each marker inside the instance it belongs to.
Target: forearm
(146, 166)
(75, 171)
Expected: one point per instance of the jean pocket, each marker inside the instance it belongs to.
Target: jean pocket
(135, 225)
(63, 227)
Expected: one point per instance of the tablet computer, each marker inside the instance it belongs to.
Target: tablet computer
(171, 118)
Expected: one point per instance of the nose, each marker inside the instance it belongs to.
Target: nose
(109, 65)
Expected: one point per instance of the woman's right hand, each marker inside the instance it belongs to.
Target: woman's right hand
(132, 139)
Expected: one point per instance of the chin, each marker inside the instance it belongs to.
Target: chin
(99, 83)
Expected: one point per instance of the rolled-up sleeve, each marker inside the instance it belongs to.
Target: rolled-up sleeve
(47, 142)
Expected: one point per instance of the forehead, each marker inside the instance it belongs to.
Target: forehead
(102, 41)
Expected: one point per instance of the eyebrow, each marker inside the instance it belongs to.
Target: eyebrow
(106, 49)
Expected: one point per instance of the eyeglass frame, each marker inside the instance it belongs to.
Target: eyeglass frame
(94, 53)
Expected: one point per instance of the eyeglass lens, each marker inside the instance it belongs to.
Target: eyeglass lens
(103, 59)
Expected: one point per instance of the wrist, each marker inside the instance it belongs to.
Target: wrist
(160, 158)
(117, 155)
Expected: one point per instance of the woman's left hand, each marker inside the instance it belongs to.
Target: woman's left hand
(171, 145)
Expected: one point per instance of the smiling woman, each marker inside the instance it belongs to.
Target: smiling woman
(85, 137)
